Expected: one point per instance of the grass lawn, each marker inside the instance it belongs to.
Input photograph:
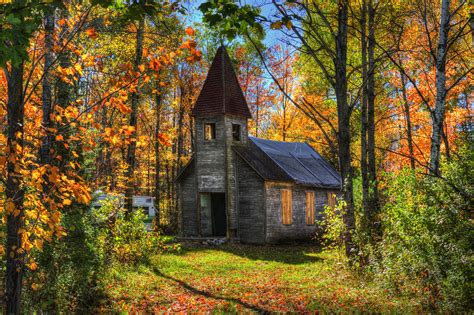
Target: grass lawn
(235, 278)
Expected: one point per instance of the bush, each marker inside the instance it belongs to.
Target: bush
(70, 270)
(428, 239)
(124, 239)
(427, 245)
(333, 226)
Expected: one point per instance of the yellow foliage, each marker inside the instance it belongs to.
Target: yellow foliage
(10, 206)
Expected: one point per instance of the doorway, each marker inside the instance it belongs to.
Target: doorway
(213, 214)
(219, 218)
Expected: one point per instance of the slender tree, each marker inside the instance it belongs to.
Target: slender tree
(408, 123)
(373, 198)
(440, 105)
(45, 152)
(133, 122)
(157, 189)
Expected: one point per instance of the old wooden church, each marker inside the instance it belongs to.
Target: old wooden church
(245, 188)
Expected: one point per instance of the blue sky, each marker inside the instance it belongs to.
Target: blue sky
(195, 17)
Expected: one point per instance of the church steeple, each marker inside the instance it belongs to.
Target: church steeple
(221, 93)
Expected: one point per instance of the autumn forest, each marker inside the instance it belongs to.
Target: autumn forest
(96, 101)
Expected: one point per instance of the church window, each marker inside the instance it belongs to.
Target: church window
(209, 131)
(236, 132)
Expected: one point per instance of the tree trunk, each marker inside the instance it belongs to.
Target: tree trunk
(157, 156)
(363, 117)
(148, 167)
(131, 158)
(444, 135)
(168, 190)
(406, 109)
(438, 114)
(373, 201)
(45, 152)
(14, 191)
(283, 130)
(179, 139)
(257, 110)
(344, 135)
(63, 92)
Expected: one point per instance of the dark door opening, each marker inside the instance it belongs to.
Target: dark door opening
(218, 214)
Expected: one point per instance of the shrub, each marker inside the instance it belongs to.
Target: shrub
(333, 226)
(428, 239)
(125, 239)
(70, 272)
(67, 279)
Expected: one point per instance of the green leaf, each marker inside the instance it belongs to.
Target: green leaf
(12, 19)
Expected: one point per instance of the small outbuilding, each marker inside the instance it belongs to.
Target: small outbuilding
(245, 188)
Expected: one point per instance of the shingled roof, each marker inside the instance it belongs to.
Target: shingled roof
(289, 161)
(221, 92)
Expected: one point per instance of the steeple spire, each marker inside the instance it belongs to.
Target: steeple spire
(221, 92)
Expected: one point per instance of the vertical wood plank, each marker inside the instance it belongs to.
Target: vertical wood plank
(286, 206)
(332, 199)
(310, 207)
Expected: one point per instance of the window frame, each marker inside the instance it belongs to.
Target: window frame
(239, 126)
(286, 207)
(212, 125)
(310, 216)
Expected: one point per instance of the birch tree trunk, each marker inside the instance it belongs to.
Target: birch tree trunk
(406, 110)
(438, 113)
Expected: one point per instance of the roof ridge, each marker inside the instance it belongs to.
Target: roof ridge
(278, 141)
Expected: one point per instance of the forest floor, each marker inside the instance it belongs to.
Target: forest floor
(235, 278)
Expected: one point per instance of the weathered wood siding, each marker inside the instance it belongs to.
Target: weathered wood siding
(215, 164)
(231, 199)
(188, 205)
(276, 231)
(251, 206)
(210, 156)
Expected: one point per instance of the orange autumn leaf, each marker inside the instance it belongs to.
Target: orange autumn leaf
(190, 31)
(91, 32)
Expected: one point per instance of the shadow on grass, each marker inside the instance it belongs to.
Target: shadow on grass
(206, 294)
(287, 254)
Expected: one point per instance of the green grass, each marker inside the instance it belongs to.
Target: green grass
(236, 278)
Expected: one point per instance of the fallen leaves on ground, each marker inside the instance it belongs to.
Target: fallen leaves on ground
(238, 278)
